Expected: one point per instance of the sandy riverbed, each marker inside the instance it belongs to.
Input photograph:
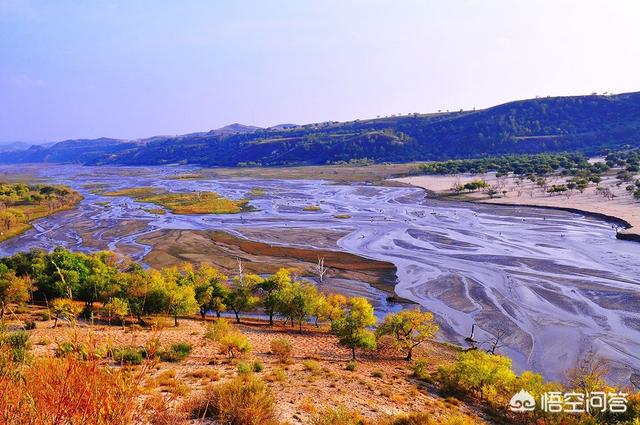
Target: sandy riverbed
(524, 192)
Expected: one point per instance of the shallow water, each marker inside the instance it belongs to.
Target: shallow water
(558, 285)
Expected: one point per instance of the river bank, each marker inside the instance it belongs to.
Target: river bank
(618, 208)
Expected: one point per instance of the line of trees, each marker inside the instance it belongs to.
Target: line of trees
(115, 288)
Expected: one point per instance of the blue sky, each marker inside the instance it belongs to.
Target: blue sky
(128, 69)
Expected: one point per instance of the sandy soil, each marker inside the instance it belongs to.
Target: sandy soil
(300, 394)
(524, 192)
(170, 247)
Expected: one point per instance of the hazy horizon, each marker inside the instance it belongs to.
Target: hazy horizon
(133, 70)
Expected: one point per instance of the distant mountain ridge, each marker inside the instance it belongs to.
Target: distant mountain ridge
(573, 123)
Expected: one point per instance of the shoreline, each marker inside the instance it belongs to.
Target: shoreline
(622, 235)
(628, 233)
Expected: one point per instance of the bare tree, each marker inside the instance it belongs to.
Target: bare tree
(321, 270)
(497, 340)
(240, 270)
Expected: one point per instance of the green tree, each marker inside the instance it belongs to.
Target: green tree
(352, 329)
(181, 300)
(117, 307)
(271, 288)
(408, 328)
(296, 301)
(483, 372)
(13, 289)
(210, 287)
(63, 308)
(241, 296)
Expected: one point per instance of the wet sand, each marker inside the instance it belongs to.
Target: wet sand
(542, 276)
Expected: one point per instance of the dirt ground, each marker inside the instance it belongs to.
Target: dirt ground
(315, 377)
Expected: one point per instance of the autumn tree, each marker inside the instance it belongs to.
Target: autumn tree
(352, 330)
(241, 296)
(63, 308)
(210, 287)
(13, 289)
(271, 288)
(483, 372)
(409, 328)
(117, 307)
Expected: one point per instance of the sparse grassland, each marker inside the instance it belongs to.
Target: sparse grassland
(185, 203)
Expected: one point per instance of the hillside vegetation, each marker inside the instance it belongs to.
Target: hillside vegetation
(580, 123)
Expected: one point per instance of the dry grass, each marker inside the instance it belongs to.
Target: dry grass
(67, 390)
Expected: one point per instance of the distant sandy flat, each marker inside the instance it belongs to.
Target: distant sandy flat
(525, 192)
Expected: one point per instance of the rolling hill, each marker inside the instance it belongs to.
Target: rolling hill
(577, 123)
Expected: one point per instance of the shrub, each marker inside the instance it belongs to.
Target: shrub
(377, 374)
(281, 347)
(45, 316)
(421, 369)
(234, 344)
(29, 325)
(277, 374)
(257, 366)
(312, 366)
(178, 352)
(128, 355)
(244, 400)
(413, 418)
(351, 365)
(217, 330)
(336, 416)
(18, 343)
(244, 368)
(79, 350)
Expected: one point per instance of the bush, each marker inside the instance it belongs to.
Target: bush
(377, 374)
(217, 330)
(45, 316)
(351, 365)
(312, 366)
(29, 325)
(18, 343)
(234, 344)
(129, 355)
(257, 366)
(244, 368)
(245, 400)
(336, 416)
(178, 352)
(277, 374)
(413, 418)
(421, 369)
(281, 348)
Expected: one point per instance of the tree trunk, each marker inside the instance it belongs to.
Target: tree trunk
(175, 320)
(353, 353)
(300, 327)
(409, 353)
(237, 316)
(55, 322)
(218, 314)
(271, 318)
